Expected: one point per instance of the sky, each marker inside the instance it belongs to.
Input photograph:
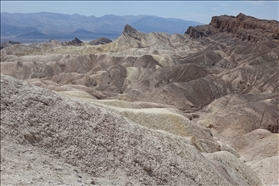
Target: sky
(200, 11)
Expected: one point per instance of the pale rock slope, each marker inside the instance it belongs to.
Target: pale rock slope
(101, 144)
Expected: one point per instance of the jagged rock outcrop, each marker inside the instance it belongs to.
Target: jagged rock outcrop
(75, 42)
(100, 41)
(243, 27)
(200, 31)
(132, 32)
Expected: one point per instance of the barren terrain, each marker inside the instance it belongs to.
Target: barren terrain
(199, 108)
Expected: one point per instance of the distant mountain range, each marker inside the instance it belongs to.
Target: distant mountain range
(62, 26)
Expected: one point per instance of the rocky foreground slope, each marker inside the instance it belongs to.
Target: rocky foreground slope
(202, 100)
(104, 144)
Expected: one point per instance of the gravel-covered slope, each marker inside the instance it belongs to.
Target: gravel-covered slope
(101, 143)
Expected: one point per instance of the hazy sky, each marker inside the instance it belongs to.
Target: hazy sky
(200, 11)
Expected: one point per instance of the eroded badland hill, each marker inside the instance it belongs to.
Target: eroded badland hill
(199, 108)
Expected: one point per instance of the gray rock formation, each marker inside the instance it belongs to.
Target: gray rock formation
(75, 42)
(100, 41)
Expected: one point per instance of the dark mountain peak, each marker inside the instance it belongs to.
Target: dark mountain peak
(129, 30)
(241, 16)
(75, 42)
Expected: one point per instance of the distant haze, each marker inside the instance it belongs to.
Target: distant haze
(36, 27)
(199, 11)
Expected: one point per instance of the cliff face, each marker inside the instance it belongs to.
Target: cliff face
(201, 31)
(243, 27)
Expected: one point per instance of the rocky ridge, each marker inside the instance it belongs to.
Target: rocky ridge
(243, 27)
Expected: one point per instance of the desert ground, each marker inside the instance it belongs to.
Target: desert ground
(199, 108)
